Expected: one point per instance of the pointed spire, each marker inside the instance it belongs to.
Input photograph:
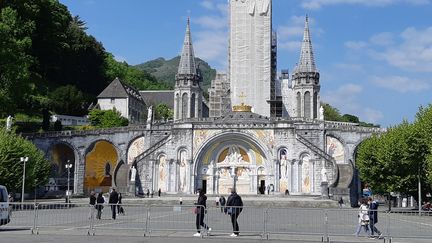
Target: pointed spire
(187, 59)
(307, 61)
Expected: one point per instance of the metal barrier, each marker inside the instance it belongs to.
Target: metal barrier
(265, 222)
(251, 220)
(178, 218)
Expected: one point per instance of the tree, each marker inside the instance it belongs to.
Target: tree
(331, 113)
(68, 100)
(107, 118)
(393, 161)
(350, 118)
(14, 59)
(12, 147)
(163, 111)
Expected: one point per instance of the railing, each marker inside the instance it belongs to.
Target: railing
(313, 224)
(155, 146)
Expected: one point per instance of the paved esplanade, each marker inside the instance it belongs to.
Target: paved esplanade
(170, 223)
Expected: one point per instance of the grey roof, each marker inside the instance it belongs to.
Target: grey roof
(118, 89)
(155, 97)
(242, 117)
(187, 59)
(307, 62)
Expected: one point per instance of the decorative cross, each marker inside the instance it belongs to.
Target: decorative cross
(241, 96)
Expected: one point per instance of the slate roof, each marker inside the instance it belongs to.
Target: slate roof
(155, 97)
(118, 89)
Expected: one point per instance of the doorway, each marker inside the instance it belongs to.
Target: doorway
(204, 186)
(262, 187)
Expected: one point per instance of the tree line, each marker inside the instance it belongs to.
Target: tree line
(49, 62)
(395, 160)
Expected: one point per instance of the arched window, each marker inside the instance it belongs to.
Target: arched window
(192, 106)
(184, 106)
(177, 106)
(307, 105)
(315, 105)
(298, 104)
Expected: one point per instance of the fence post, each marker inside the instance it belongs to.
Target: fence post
(326, 233)
(388, 226)
(265, 223)
(35, 218)
(146, 230)
(91, 230)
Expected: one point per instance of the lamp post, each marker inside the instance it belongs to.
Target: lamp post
(68, 166)
(23, 159)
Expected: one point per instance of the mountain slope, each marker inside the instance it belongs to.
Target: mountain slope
(165, 70)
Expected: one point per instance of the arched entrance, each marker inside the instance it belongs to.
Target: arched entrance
(100, 163)
(231, 160)
(60, 155)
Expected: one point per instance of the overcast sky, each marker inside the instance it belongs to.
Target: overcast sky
(374, 56)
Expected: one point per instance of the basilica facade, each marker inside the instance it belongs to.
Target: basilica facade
(250, 147)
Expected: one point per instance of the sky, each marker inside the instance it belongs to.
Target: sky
(374, 56)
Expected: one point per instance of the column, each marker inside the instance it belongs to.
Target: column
(153, 174)
(79, 175)
(190, 177)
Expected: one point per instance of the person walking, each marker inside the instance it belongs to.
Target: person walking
(222, 202)
(373, 218)
(148, 193)
(159, 192)
(363, 218)
(200, 213)
(92, 203)
(99, 205)
(234, 207)
(113, 200)
(120, 209)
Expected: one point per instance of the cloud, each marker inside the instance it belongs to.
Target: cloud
(317, 4)
(349, 67)
(382, 39)
(400, 84)
(211, 38)
(412, 53)
(345, 98)
(355, 45)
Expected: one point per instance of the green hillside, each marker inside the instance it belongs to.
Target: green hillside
(165, 70)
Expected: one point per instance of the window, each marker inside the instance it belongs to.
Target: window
(112, 100)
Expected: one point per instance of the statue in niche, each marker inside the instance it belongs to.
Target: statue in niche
(107, 169)
(183, 166)
(284, 165)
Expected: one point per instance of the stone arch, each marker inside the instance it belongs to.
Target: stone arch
(336, 147)
(134, 148)
(59, 154)
(284, 168)
(218, 173)
(184, 169)
(100, 164)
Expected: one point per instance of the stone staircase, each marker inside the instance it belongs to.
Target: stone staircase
(153, 148)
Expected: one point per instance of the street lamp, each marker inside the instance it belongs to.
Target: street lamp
(68, 166)
(23, 159)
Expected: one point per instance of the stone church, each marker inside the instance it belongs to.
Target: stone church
(273, 137)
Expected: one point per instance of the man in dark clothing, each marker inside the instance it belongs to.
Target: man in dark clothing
(113, 200)
(222, 202)
(373, 217)
(99, 206)
(234, 207)
(200, 213)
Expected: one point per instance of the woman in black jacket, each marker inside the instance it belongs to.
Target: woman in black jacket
(200, 212)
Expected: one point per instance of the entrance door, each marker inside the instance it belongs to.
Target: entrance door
(262, 187)
(204, 186)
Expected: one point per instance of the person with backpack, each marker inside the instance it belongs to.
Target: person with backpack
(234, 207)
(99, 205)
